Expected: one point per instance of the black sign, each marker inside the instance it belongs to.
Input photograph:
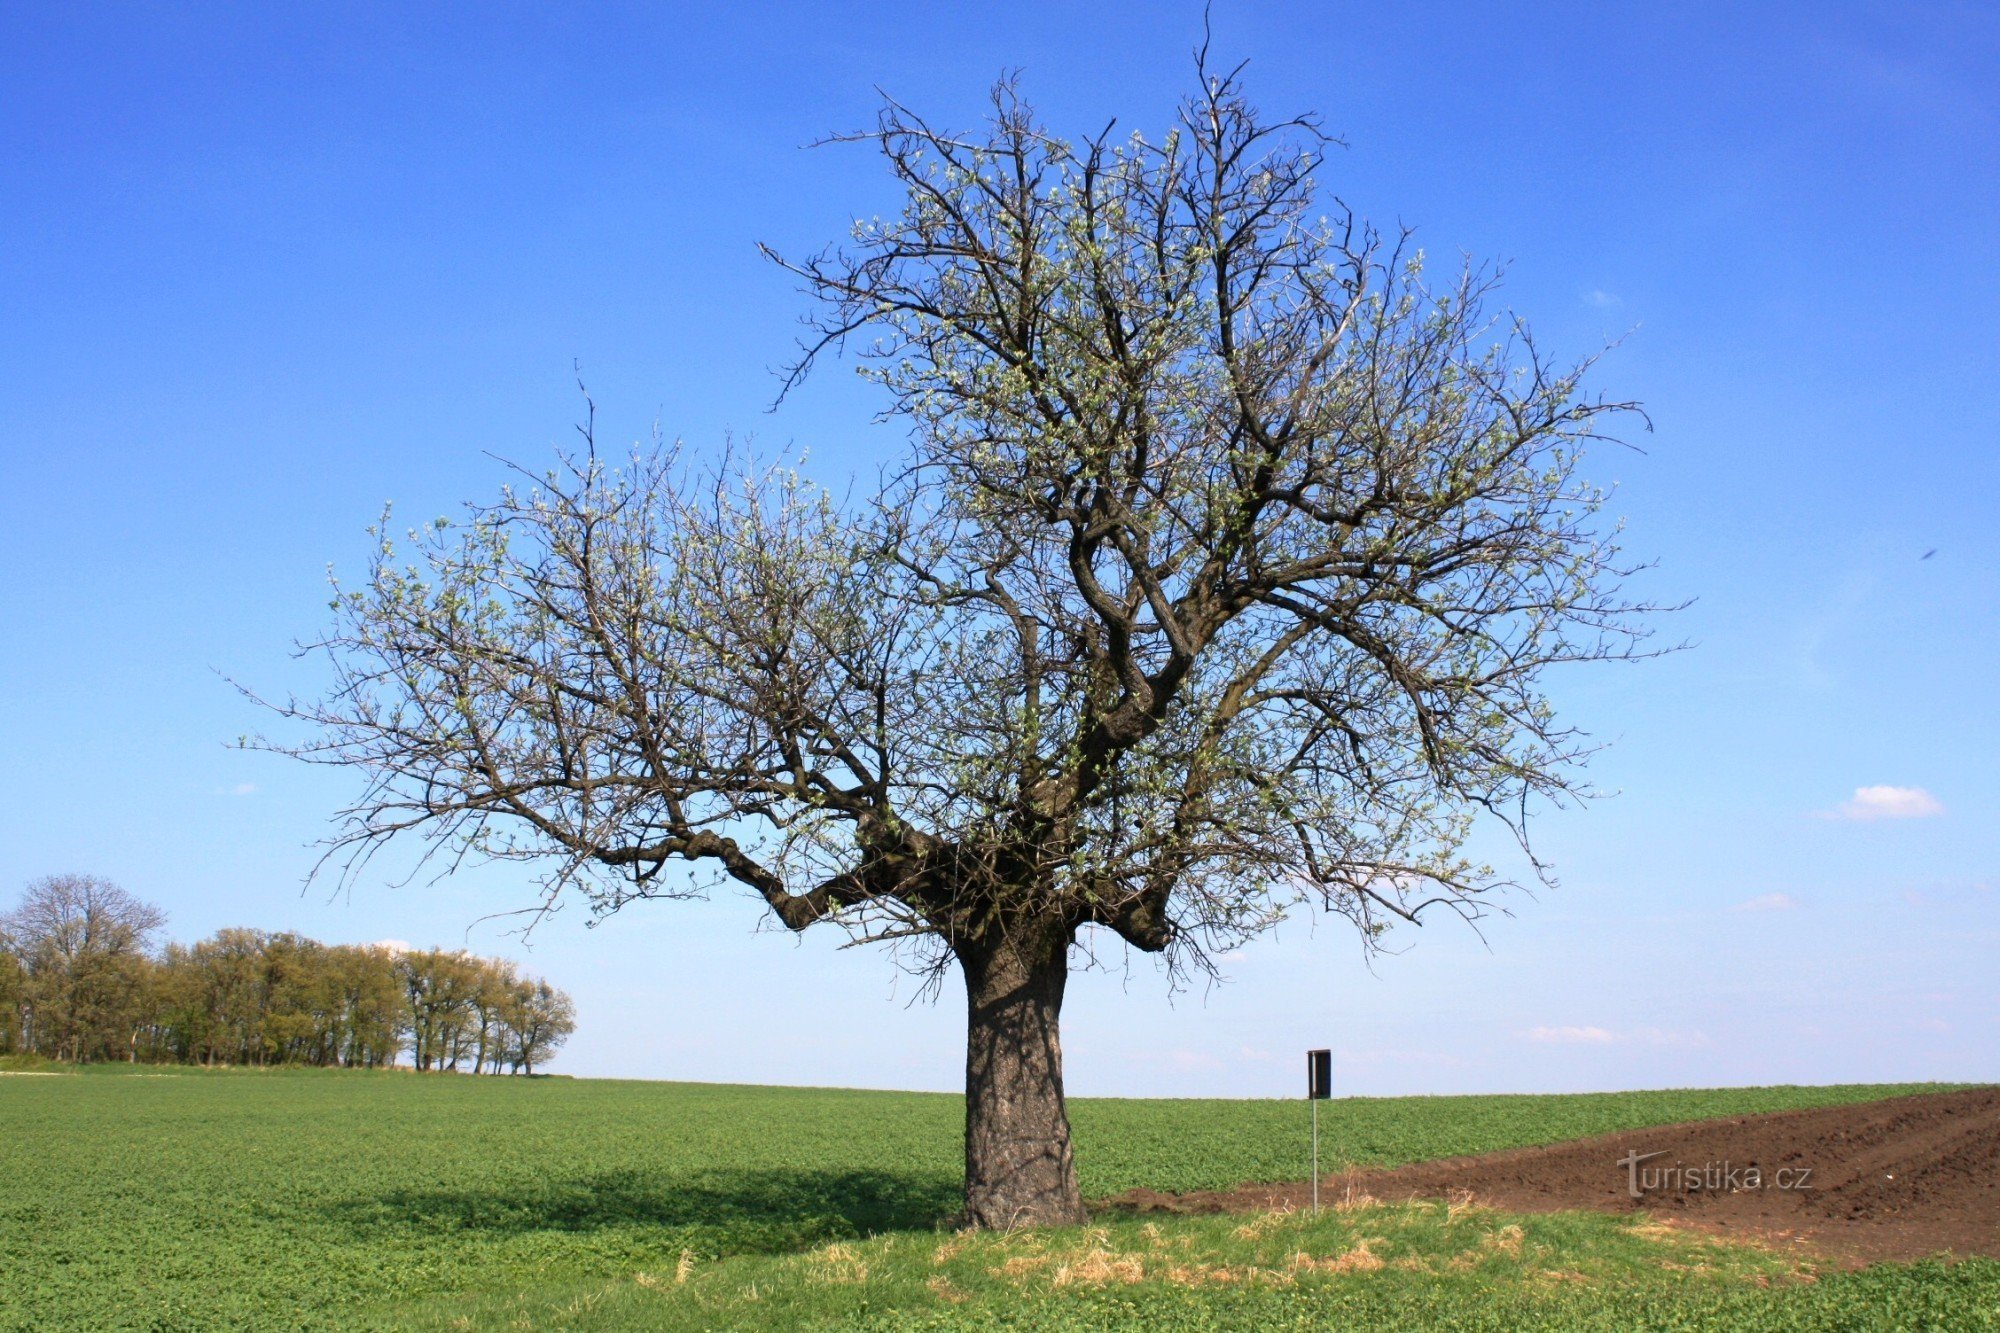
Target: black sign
(1319, 1075)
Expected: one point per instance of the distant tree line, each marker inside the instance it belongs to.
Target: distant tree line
(81, 979)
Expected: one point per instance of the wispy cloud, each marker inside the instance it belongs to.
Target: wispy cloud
(1597, 1036)
(1872, 803)
(1768, 902)
(1567, 1036)
(1831, 621)
(240, 789)
(1666, 1037)
(1600, 298)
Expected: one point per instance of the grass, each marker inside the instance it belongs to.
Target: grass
(20, 1063)
(1379, 1266)
(163, 1198)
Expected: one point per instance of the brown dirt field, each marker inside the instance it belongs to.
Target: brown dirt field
(1890, 1180)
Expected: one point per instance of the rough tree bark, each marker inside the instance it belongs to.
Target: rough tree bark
(1019, 1170)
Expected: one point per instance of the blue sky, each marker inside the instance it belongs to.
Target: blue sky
(262, 270)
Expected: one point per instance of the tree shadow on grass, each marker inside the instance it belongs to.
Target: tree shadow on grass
(742, 1212)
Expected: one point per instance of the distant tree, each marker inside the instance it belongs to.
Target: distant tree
(77, 983)
(490, 997)
(1226, 573)
(13, 994)
(144, 1037)
(233, 992)
(303, 1003)
(373, 1005)
(440, 987)
(179, 1010)
(535, 1020)
(82, 942)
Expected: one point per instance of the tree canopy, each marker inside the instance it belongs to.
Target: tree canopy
(1224, 573)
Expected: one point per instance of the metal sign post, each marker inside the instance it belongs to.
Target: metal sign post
(1319, 1087)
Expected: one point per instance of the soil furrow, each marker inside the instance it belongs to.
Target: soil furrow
(1896, 1180)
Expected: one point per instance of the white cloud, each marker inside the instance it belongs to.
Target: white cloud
(1596, 1036)
(1667, 1037)
(1769, 902)
(240, 789)
(1569, 1035)
(1871, 803)
(392, 946)
(1600, 298)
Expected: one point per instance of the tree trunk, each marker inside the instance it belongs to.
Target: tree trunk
(1018, 1167)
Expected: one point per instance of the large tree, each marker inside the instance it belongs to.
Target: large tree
(82, 943)
(1224, 574)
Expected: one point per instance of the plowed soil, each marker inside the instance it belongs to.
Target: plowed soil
(1889, 1180)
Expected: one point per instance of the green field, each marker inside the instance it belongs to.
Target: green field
(168, 1198)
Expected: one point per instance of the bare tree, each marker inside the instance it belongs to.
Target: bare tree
(1224, 575)
(82, 943)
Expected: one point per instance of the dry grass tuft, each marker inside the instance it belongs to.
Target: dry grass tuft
(1021, 1265)
(1360, 1259)
(1257, 1226)
(1459, 1204)
(1504, 1243)
(1100, 1267)
(835, 1264)
(942, 1289)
